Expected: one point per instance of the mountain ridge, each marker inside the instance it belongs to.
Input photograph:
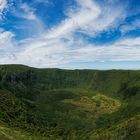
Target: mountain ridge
(70, 104)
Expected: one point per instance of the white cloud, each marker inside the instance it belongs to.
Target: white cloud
(89, 18)
(108, 53)
(25, 11)
(59, 45)
(3, 7)
(129, 42)
(29, 22)
(129, 27)
(87, 13)
(7, 47)
(5, 40)
(45, 53)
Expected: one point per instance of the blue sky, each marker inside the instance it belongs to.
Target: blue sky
(83, 34)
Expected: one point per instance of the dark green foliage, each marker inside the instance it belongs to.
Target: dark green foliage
(33, 100)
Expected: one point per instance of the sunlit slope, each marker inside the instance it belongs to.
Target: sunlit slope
(8, 133)
(128, 129)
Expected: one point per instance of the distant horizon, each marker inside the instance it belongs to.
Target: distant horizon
(66, 68)
(75, 34)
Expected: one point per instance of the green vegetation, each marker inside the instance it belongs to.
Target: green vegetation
(55, 104)
(7, 133)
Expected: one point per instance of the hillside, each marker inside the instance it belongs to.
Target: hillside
(55, 104)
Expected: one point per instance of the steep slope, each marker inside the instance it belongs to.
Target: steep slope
(8, 133)
(70, 104)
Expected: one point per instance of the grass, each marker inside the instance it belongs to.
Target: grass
(127, 129)
(57, 104)
(99, 104)
(106, 104)
(7, 133)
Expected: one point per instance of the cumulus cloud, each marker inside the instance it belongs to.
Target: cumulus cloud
(7, 43)
(7, 47)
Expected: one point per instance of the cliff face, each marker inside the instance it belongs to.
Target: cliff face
(110, 82)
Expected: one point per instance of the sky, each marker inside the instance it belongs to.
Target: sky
(71, 34)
